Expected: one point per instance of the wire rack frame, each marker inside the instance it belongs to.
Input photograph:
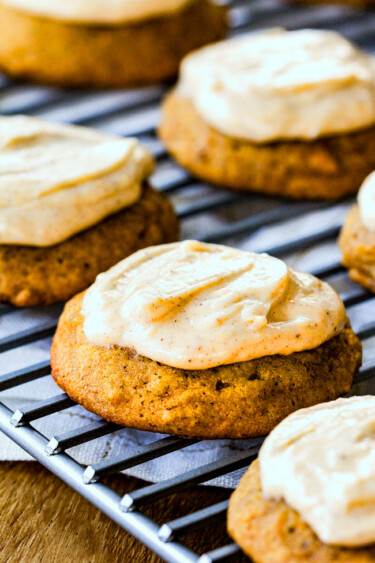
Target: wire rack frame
(135, 112)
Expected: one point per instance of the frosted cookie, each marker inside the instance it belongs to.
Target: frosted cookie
(357, 237)
(311, 495)
(104, 43)
(283, 113)
(73, 202)
(205, 341)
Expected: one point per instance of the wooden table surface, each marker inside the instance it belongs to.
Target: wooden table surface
(43, 520)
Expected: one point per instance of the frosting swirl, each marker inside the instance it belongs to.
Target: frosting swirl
(98, 11)
(57, 180)
(366, 202)
(194, 306)
(321, 461)
(281, 84)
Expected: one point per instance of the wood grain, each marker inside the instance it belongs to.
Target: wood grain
(43, 520)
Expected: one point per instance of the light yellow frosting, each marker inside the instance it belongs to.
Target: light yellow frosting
(281, 84)
(366, 202)
(321, 461)
(57, 180)
(98, 11)
(195, 306)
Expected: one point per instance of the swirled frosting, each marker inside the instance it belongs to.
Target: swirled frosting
(57, 180)
(279, 84)
(194, 306)
(321, 461)
(366, 202)
(98, 11)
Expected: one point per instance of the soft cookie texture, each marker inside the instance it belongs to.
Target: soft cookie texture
(269, 531)
(357, 244)
(326, 168)
(128, 54)
(232, 401)
(32, 276)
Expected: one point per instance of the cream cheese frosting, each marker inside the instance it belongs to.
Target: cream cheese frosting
(321, 461)
(279, 84)
(366, 202)
(195, 306)
(98, 11)
(57, 180)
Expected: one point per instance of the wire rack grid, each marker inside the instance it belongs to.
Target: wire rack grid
(288, 229)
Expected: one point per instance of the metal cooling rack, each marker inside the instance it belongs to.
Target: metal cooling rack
(207, 214)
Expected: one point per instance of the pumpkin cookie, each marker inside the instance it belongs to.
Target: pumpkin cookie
(249, 114)
(232, 374)
(73, 202)
(357, 237)
(104, 43)
(270, 530)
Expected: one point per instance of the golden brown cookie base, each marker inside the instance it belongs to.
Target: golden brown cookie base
(47, 50)
(39, 276)
(357, 245)
(271, 532)
(234, 401)
(328, 168)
